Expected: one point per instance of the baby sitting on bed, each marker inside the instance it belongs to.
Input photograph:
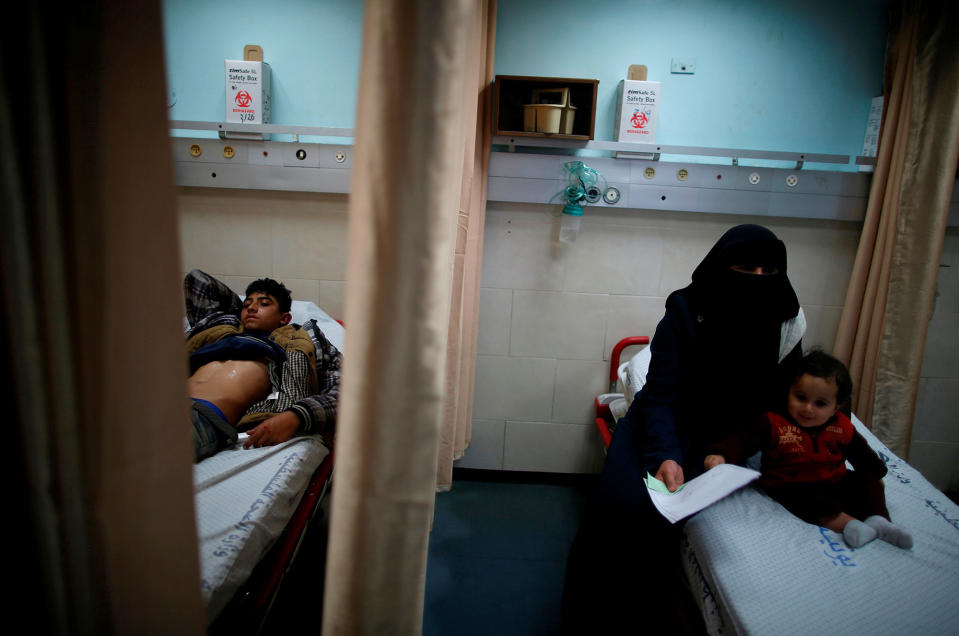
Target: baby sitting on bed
(804, 452)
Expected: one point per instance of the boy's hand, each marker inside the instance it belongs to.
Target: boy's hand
(712, 461)
(671, 474)
(275, 430)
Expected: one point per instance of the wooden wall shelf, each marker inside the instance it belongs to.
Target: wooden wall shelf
(512, 92)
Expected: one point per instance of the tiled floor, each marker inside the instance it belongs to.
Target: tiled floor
(497, 555)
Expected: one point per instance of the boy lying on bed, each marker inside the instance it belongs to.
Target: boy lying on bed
(804, 451)
(251, 369)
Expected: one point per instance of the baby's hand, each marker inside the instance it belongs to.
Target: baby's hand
(712, 461)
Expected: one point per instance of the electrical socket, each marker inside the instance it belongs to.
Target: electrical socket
(685, 65)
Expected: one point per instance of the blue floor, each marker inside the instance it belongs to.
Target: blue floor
(497, 556)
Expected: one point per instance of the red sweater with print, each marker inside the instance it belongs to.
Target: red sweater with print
(792, 454)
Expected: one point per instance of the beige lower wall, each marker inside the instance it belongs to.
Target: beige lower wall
(550, 312)
(298, 238)
(935, 433)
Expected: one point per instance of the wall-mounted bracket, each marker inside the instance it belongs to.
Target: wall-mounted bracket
(648, 156)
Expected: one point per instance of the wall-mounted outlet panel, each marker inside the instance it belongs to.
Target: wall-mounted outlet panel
(685, 65)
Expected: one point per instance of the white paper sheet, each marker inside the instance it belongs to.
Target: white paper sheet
(695, 495)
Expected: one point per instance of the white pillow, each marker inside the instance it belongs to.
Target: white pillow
(303, 310)
(632, 374)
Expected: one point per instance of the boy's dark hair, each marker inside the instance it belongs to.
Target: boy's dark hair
(270, 287)
(820, 364)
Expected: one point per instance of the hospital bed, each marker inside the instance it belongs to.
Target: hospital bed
(754, 568)
(253, 509)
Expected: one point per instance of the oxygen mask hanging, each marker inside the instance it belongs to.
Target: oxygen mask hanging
(585, 186)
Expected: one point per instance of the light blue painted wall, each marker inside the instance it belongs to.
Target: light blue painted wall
(785, 76)
(312, 46)
(794, 77)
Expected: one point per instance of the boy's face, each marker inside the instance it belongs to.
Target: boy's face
(812, 400)
(262, 313)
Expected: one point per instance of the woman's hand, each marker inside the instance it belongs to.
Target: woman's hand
(712, 461)
(671, 474)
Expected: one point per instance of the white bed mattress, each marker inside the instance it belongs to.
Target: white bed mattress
(756, 569)
(244, 498)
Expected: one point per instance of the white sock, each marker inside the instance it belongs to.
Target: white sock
(857, 534)
(890, 532)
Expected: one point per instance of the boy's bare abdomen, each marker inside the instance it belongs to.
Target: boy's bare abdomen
(233, 385)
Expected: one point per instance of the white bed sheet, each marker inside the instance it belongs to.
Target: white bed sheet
(756, 569)
(244, 499)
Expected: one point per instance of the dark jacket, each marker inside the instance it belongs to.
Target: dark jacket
(688, 402)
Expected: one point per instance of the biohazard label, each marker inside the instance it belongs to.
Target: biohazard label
(638, 110)
(247, 91)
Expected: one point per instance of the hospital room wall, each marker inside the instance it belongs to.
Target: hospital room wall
(238, 236)
(550, 313)
(776, 76)
(538, 418)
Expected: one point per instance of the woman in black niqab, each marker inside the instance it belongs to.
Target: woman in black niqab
(740, 296)
(714, 363)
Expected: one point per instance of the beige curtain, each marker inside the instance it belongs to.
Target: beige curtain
(106, 541)
(883, 327)
(468, 242)
(405, 194)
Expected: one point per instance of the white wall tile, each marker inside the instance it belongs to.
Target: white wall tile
(615, 259)
(632, 316)
(486, 446)
(937, 411)
(939, 463)
(552, 448)
(820, 256)
(310, 237)
(496, 307)
(684, 248)
(941, 356)
(513, 388)
(307, 290)
(259, 233)
(821, 326)
(947, 282)
(223, 233)
(333, 298)
(558, 324)
(237, 283)
(520, 250)
(578, 382)
(947, 288)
